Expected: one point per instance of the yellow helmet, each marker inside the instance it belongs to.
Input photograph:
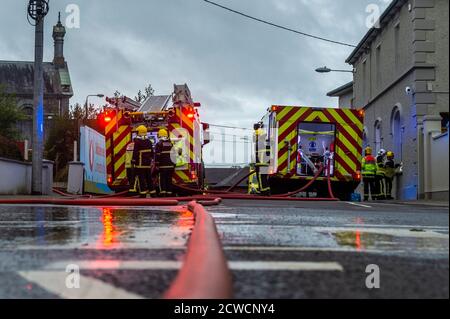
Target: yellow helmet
(163, 133)
(390, 154)
(142, 130)
(259, 132)
(368, 151)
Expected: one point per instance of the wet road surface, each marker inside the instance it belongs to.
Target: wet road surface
(322, 250)
(275, 250)
(120, 252)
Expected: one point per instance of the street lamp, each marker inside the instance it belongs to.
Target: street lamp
(87, 101)
(328, 70)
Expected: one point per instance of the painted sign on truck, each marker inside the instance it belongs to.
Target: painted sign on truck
(93, 155)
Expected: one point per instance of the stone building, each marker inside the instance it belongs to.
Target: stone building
(401, 80)
(18, 78)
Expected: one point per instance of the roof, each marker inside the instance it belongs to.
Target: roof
(373, 32)
(156, 103)
(344, 89)
(18, 77)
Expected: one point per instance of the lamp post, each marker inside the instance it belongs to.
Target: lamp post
(37, 10)
(328, 70)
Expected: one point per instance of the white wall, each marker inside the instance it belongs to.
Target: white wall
(16, 177)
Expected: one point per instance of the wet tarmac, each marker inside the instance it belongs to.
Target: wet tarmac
(275, 249)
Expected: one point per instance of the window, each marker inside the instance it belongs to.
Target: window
(364, 83)
(378, 67)
(444, 121)
(397, 46)
(365, 138)
(316, 145)
(397, 132)
(378, 137)
(27, 109)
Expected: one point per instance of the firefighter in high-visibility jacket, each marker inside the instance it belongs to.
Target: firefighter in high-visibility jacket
(390, 168)
(164, 163)
(142, 162)
(380, 176)
(369, 171)
(262, 162)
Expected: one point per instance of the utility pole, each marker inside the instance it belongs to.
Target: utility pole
(37, 10)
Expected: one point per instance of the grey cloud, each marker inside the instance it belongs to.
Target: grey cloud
(235, 67)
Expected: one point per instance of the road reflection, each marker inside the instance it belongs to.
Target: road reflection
(110, 236)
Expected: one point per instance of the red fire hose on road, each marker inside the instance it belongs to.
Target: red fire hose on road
(286, 197)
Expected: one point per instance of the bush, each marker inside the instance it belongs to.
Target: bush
(9, 149)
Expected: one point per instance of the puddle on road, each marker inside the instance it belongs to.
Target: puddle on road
(94, 228)
(371, 240)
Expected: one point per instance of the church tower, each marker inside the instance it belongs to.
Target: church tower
(59, 31)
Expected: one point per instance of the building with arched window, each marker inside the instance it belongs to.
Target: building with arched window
(401, 80)
(18, 78)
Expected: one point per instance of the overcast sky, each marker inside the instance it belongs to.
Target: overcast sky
(235, 67)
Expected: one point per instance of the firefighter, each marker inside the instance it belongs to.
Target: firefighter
(369, 171)
(129, 167)
(164, 163)
(390, 169)
(380, 176)
(142, 162)
(262, 164)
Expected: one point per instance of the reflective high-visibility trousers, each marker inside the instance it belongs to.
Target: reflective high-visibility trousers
(263, 181)
(165, 181)
(380, 187)
(388, 181)
(369, 187)
(143, 182)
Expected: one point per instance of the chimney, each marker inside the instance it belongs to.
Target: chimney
(59, 31)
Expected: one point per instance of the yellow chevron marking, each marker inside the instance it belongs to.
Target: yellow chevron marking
(113, 123)
(316, 114)
(293, 119)
(283, 113)
(348, 128)
(123, 143)
(355, 120)
(119, 163)
(350, 147)
(344, 157)
(183, 176)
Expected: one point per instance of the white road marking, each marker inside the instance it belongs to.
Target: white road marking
(175, 265)
(398, 232)
(285, 266)
(90, 288)
(360, 205)
(399, 226)
(118, 264)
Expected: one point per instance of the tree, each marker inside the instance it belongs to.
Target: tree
(10, 114)
(148, 91)
(61, 137)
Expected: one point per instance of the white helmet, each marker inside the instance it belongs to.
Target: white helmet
(382, 152)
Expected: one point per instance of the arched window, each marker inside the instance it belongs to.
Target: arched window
(378, 136)
(366, 142)
(397, 131)
(27, 109)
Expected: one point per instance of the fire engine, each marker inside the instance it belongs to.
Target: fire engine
(181, 119)
(302, 140)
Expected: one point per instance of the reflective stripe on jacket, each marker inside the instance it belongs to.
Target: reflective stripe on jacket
(369, 166)
(163, 151)
(390, 168)
(142, 153)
